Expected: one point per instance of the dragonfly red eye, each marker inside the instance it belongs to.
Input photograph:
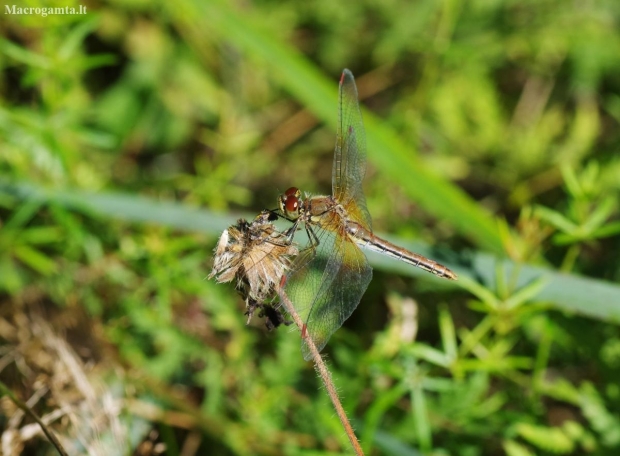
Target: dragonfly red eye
(290, 201)
(293, 191)
(291, 204)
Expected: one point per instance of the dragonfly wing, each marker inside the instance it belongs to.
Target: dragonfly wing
(307, 275)
(349, 165)
(326, 290)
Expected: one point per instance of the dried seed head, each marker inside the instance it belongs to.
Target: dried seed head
(255, 254)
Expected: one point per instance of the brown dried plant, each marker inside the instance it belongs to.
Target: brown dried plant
(72, 402)
(256, 255)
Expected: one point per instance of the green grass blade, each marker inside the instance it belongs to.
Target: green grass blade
(567, 292)
(386, 150)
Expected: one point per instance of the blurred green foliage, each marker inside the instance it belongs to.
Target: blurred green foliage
(492, 127)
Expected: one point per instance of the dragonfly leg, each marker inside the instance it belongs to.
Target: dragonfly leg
(275, 214)
(291, 231)
(314, 240)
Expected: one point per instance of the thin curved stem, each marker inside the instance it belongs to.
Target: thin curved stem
(28, 411)
(321, 368)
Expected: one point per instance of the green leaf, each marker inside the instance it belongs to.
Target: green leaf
(74, 40)
(600, 214)
(448, 335)
(420, 413)
(35, 259)
(611, 229)
(571, 181)
(513, 448)
(23, 215)
(374, 414)
(430, 354)
(556, 219)
(41, 235)
(602, 420)
(24, 56)
(526, 293)
(546, 438)
(485, 295)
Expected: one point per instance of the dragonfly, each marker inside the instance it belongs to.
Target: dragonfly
(256, 255)
(327, 279)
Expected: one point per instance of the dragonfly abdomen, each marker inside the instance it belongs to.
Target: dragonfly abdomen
(368, 240)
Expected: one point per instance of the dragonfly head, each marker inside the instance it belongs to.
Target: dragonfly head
(290, 203)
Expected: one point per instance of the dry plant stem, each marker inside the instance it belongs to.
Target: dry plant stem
(324, 373)
(28, 411)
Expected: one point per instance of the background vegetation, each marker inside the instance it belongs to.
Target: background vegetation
(132, 135)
